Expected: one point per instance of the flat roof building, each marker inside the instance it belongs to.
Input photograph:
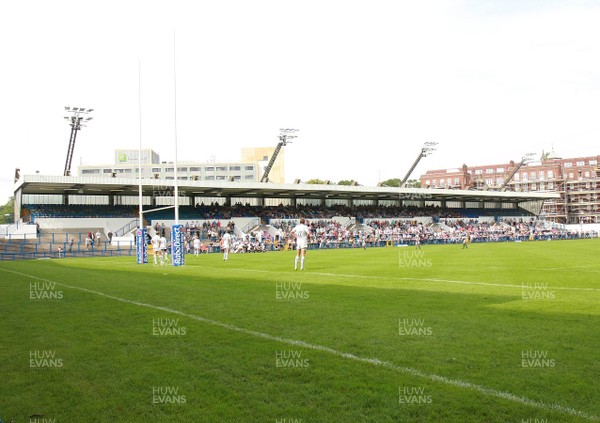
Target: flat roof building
(249, 169)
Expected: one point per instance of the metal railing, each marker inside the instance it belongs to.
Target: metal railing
(250, 225)
(127, 227)
(51, 250)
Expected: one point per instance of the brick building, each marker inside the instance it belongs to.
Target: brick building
(577, 180)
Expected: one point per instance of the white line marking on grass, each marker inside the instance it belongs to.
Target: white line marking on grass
(548, 268)
(568, 268)
(373, 361)
(403, 279)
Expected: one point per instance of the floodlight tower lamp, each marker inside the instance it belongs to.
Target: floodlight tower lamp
(426, 149)
(285, 138)
(76, 121)
(525, 159)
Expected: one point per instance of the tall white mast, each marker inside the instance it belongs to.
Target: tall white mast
(141, 212)
(175, 120)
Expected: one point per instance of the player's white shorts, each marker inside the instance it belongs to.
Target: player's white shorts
(301, 244)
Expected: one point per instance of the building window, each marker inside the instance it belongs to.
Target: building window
(593, 162)
(182, 178)
(221, 168)
(516, 177)
(265, 158)
(249, 177)
(489, 171)
(249, 167)
(427, 182)
(127, 170)
(209, 178)
(107, 171)
(194, 169)
(550, 174)
(88, 171)
(478, 171)
(582, 163)
(221, 178)
(500, 170)
(169, 169)
(568, 164)
(550, 185)
(182, 169)
(209, 168)
(525, 176)
(456, 181)
(156, 169)
(234, 168)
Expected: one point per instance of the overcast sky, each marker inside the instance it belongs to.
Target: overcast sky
(366, 83)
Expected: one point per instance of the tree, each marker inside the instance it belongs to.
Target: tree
(7, 211)
(395, 182)
(345, 182)
(315, 181)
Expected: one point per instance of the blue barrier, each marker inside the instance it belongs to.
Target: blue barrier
(130, 250)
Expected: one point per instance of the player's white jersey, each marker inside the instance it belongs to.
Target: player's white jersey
(163, 243)
(226, 241)
(301, 231)
(155, 242)
(196, 244)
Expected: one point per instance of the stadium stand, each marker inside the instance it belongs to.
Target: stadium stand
(365, 226)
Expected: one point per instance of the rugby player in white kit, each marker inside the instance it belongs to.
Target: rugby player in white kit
(302, 234)
(196, 246)
(164, 255)
(156, 247)
(226, 242)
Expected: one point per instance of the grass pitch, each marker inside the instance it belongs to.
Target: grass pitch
(506, 332)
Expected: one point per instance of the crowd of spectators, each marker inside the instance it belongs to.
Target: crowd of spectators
(223, 212)
(330, 234)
